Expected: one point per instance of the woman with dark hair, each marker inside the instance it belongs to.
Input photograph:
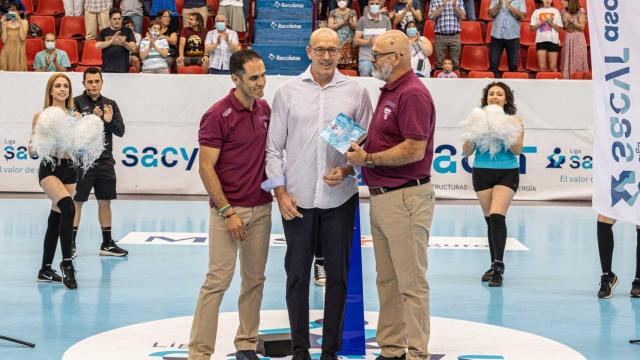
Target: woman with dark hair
(574, 54)
(495, 134)
(169, 29)
(192, 37)
(421, 49)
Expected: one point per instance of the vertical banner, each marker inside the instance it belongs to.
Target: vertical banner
(353, 341)
(615, 42)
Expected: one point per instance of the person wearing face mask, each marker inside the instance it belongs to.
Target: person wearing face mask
(220, 43)
(496, 171)
(154, 49)
(14, 29)
(396, 166)
(421, 49)
(51, 59)
(405, 11)
(344, 21)
(233, 12)
(369, 27)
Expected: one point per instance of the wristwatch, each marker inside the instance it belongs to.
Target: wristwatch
(368, 161)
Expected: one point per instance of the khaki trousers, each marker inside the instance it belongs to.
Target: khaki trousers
(94, 22)
(203, 11)
(223, 251)
(400, 226)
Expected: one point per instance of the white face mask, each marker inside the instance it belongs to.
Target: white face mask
(342, 4)
(154, 33)
(50, 45)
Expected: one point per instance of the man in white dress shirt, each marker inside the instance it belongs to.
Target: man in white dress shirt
(316, 195)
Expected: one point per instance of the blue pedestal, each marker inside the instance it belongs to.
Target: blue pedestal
(283, 59)
(284, 10)
(282, 32)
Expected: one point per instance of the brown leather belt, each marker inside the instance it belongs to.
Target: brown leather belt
(383, 189)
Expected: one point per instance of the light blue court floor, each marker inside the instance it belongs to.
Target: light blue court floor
(548, 300)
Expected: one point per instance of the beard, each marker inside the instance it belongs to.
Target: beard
(383, 72)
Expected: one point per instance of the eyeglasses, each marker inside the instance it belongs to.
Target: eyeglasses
(321, 51)
(376, 55)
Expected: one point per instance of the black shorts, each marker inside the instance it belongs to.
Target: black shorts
(548, 45)
(484, 179)
(60, 168)
(101, 178)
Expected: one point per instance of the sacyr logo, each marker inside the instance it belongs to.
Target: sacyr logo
(445, 162)
(618, 191)
(17, 152)
(153, 157)
(576, 161)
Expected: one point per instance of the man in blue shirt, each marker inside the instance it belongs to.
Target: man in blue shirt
(505, 33)
(51, 59)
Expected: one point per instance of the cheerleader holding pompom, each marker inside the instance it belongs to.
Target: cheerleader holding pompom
(495, 134)
(64, 142)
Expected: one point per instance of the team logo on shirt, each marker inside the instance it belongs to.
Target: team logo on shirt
(227, 112)
(387, 111)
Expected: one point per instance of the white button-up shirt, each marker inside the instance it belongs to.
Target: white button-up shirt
(301, 109)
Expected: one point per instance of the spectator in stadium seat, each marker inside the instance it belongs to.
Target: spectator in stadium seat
(73, 7)
(369, 27)
(447, 15)
(421, 49)
(14, 29)
(574, 55)
(447, 70)
(192, 7)
(220, 43)
(51, 59)
(133, 10)
(344, 21)
(547, 23)
(405, 11)
(116, 43)
(505, 33)
(96, 16)
(133, 55)
(191, 47)
(233, 12)
(154, 49)
(170, 30)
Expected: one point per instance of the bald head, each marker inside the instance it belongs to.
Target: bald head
(394, 40)
(324, 35)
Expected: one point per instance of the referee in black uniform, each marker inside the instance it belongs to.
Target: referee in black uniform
(102, 176)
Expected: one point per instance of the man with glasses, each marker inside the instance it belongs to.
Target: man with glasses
(116, 43)
(369, 27)
(316, 195)
(397, 156)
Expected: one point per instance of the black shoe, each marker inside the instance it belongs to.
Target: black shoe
(403, 357)
(68, 275)
(111, 249)
(247, 355)
(301, 355)
(608, 282)
(635, 288)
(319, 276)
(487, 275)
(49, 275)
(328, 356)
(496, 275)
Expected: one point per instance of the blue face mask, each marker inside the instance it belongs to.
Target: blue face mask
(374, 9)
(220, 26)
(411, 32)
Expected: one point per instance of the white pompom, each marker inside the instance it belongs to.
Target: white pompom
(490, 129)
(475, 125)
(88, 141)
(52, 134)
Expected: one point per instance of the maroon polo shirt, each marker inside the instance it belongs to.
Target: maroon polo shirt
(241, 136)
(405, 111)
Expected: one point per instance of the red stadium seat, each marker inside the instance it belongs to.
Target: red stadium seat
(488, 37)
(179, 6)
(72, 27)
(587, 75)
(549, 75)
(484, 10)
(50, 7)
(527, 37)
(193, 69)
(481, 75)
(33, 46)
(577, 76)
(82, 68)
(531, 6)
(470, 33)
(474, 58)
(213, 6)
(429, 30)
(70, 46)
(46, 23)
(504, 65)
(28, 6)
(515, 75)
(532, 59)
(91, 56)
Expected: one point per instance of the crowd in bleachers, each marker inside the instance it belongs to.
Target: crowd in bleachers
(507, 38)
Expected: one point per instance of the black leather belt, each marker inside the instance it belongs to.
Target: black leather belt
(383, 189)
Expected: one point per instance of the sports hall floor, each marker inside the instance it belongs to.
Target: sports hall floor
(549, 289)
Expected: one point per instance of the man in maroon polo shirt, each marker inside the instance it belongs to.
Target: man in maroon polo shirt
(397, 158)
(232, 137)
